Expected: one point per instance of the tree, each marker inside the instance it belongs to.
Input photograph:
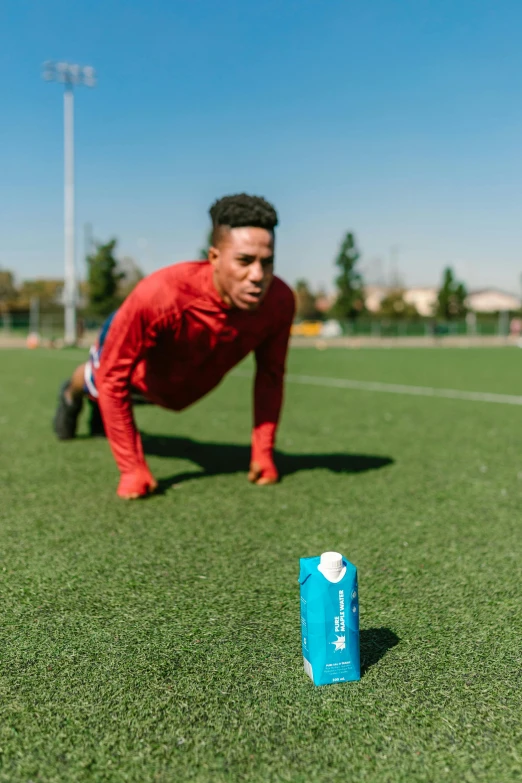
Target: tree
(203, 253)
(451, 297)
(305, 301)
(48, 292)
(130, 275)
(104, 279)
(8, 292)
(350, 298)
(393, 305)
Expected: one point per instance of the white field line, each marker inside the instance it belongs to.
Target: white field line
(394, 388)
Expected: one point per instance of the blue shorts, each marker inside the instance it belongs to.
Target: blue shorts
(89, 384)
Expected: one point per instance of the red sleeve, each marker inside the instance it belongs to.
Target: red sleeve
(268, 392)
(130, 334)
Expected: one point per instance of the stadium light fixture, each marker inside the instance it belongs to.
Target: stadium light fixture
(70, 75)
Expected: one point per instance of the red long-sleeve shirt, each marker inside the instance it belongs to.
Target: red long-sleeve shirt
(173, 340)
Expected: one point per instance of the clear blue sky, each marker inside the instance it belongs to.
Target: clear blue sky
(398, 119)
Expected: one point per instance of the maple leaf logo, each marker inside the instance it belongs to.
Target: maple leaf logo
(340, 643)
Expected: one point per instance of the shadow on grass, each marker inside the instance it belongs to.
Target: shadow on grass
(375, 643)
(215, 459)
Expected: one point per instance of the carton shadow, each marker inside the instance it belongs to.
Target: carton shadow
(215, 459)
(375, 643)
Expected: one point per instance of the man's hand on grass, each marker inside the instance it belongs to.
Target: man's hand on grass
(141, 482)
(262, 477)
(137, 484)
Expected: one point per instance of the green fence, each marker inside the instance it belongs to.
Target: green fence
(50, 325)
(496, 324)
(399, 328)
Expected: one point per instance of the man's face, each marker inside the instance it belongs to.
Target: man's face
(243, 264)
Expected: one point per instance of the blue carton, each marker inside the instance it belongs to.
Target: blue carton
(329, 620)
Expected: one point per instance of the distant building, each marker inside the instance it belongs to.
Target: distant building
(424, 299)
(491, 300)
(324, 302)
(373, 296)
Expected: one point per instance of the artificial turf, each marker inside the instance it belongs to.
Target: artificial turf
(160, 640)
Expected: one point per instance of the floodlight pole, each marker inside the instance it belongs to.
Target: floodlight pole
(69, 290)
(69, 75)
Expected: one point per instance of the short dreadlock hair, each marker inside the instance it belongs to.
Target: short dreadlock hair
(241, 210)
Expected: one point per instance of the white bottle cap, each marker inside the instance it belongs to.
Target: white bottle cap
(331, 566)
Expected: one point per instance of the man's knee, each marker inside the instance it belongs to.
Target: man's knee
(76, 388)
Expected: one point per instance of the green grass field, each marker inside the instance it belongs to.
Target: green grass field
(160, 640)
